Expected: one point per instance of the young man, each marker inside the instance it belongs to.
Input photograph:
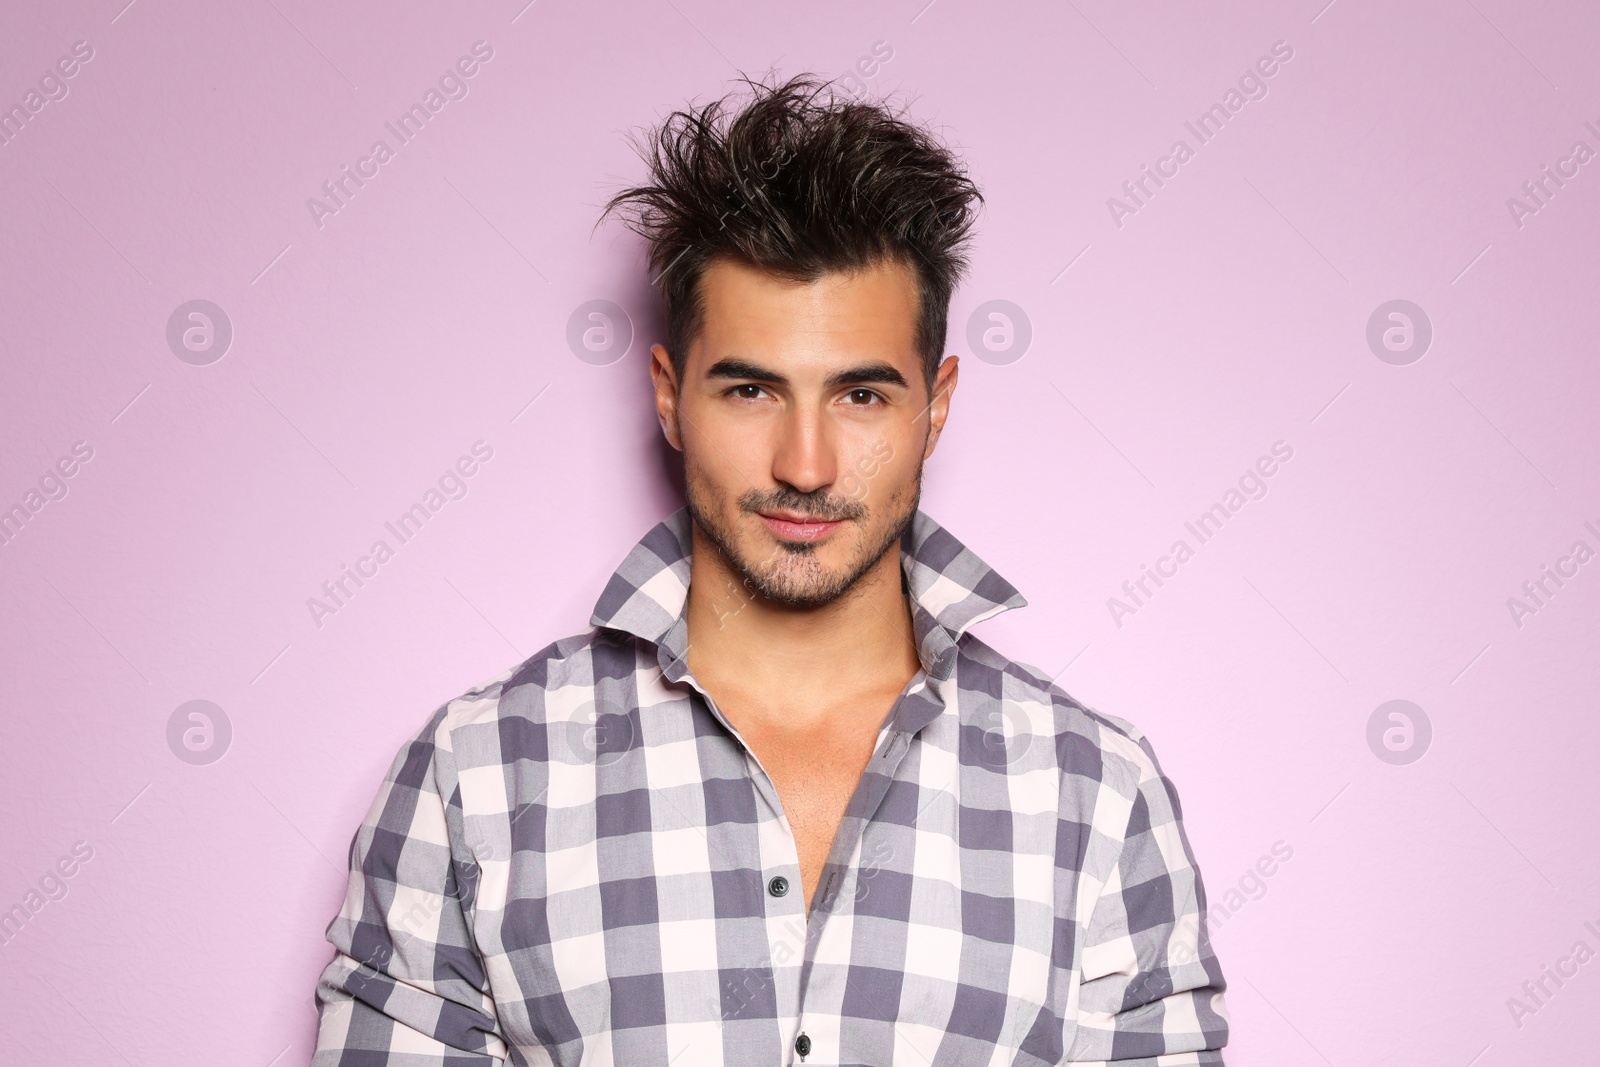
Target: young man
(779, 805)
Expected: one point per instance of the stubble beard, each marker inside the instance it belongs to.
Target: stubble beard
(791, 574)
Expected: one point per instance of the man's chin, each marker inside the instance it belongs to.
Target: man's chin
(807, 574)
(810, 590)
(777, 559)
(797, 573)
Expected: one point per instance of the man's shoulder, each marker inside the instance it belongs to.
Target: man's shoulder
(558, 682)
(1086, 739)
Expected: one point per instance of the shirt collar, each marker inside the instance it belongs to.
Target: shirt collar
(951, 590)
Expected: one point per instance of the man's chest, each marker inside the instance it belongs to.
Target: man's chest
(815, 775)
(648, 888)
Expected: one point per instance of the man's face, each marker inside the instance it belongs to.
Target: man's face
(804, 421)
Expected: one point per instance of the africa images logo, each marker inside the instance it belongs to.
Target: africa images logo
(1252, 85)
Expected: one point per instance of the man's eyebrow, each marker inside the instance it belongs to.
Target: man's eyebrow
(878, 373)
(743, 368)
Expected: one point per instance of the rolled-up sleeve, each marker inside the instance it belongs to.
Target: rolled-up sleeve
(407, 986)
(1151, 991)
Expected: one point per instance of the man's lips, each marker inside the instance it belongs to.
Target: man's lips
(798, 528)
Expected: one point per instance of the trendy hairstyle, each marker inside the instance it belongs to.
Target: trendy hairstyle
(799, 182)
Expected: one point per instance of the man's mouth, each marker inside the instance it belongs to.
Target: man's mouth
(792, 526)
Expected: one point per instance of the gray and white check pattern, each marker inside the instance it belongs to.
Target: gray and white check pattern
(576, 861)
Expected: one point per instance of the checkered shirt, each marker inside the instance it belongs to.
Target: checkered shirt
(581, 862)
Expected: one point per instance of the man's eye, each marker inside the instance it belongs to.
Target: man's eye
(862, 396)
(747, 392)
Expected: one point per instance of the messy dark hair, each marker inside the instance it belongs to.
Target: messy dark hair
(799, 182)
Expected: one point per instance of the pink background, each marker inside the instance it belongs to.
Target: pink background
(1227, 314)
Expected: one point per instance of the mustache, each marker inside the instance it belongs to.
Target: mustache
(818, 504)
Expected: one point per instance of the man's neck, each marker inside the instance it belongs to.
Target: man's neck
(802, 663)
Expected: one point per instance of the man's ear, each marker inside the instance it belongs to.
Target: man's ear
(944, 384)
(666, 383)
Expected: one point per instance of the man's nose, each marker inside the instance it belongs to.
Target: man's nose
(805, 454)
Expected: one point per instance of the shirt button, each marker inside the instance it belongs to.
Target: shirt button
(778, 887)
(802, 1045)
